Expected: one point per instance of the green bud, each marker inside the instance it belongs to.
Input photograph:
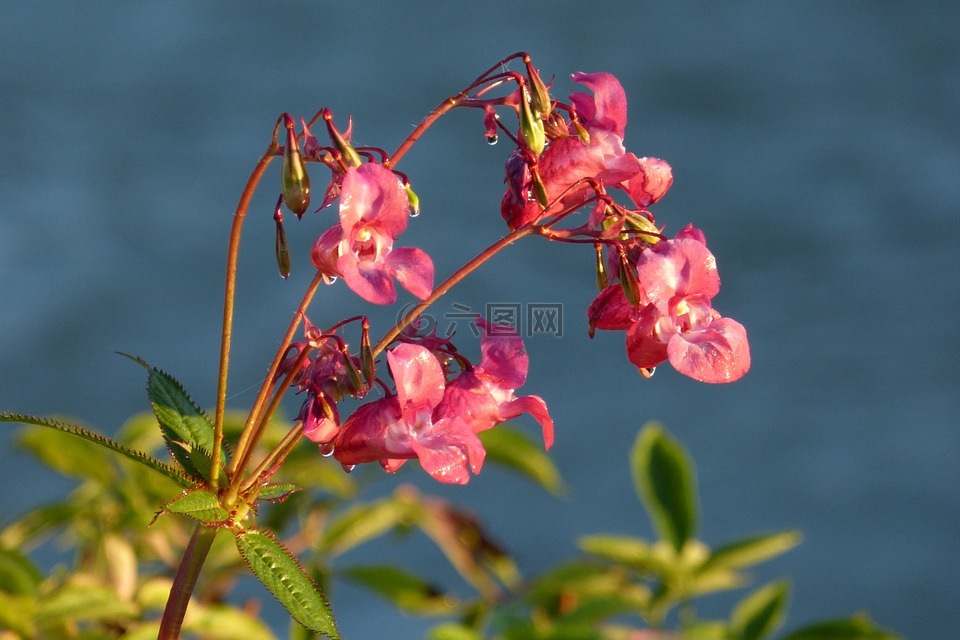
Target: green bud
(602, 279)
(295, 182)
(531, 127)
(539, 189)
(413, 201)
(350, 156)
(539, 95)
(628, 281)
(282, 248)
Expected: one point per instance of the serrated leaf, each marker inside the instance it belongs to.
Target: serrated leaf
(185, 427)
(405, 590)
(68, 456)
(854, 628)
(761, 612)
(518, 453)
(75, 430)
(283, 576)
(278, 491)
(665, 480)
(18, 575)
(199, 504)
(751, 551)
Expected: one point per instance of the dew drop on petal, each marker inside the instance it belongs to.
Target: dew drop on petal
(348, 467)
(414, 212)
(492, 140)
(330, 279)
(647, 372)
(326, 449)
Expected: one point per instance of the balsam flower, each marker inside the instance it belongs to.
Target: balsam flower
(403, 426)
(373, 210)
(674, 320)
(601, 156)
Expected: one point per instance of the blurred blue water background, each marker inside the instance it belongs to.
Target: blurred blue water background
(816, 143)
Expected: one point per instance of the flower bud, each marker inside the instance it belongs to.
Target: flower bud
(413, 201)
(539, 189)
(350, 156)
(367, 362)
(582, 133)
(539, 95)
(531, 127)
(282, 248)
(295, 182)
(602, 279)
(628, 281)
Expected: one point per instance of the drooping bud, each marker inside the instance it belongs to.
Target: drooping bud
(582, 133)
(531, 126)
(367, 362)
(539, 189)
(649, 232)
(539, 95)
(295, 182)
(282, 248)
(628, 280)
(413, 201)
(350, 156)
(602, 280)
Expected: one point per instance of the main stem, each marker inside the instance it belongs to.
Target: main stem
(229, 295)
(185, 581)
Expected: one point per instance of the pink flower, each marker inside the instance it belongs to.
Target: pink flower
(404, 425)
(373, 211)
(674, 320)
(484, 395)
(567, 160)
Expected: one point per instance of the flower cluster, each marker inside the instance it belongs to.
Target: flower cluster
(568, 157)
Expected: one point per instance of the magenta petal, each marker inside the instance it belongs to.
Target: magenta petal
(414, 269)
(325, 251)
(419, 377)
(717, 353)
(363, 437)
(371, 281)
(468, 398)
(651, 182)
(504, 359)
(536, 407)
(610, 310)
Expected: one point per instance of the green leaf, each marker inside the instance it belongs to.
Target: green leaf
(627, 551)
(147, 460)
(761, 612)
(853, 628)
(186, 429)
(199, 504)
(278, 491)
(16, 614)
(751, 551)
(405, 590)
(518, 453)
(283, 576)
(18, 575)
(453, 631)
(664, 478)
(363, 522)
(69, 456)
(77, 602)
(221, 622)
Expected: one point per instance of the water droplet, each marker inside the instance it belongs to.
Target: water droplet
(492, 140)
(326, 449)
(329, 279)
(414, 212)
(348, 467)
(647, 372)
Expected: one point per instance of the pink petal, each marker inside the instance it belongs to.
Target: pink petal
(607, 108)
(504, 359)
(681, 266)
(371, 194)
(536, 407)
(468, 398)
(325, 251)
(414, 269)
(651, 182)
(446, 451)
(363, 437)
(718, 353)
(419, 377)
(646, 345)
(371, 281)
